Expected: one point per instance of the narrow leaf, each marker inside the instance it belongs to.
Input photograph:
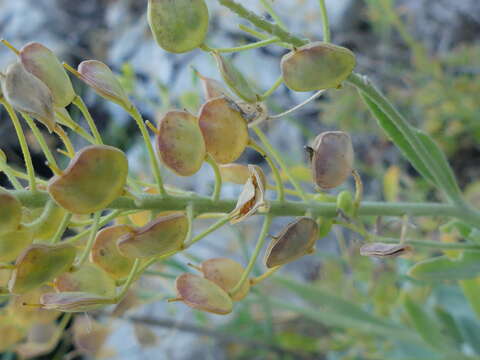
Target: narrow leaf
(442, 268)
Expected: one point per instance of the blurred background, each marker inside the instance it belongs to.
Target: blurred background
(424, 54)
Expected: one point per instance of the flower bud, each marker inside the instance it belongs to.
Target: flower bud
(10, 212)
(332, 159)
(382, 250)
(13, 243)
(203, 294)
(224, 129)
(95, 177)
(317, 66)
(178, 26)
(296, 240)
(42, 62)
(88, 278)
(72, 302)
(180, 143)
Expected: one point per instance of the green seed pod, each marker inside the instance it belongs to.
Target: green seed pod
(332, 159)
(11, 332)
(225, 273)
(180, 143)
(106, 255)
(47, 229)
(88, 278)
(39, 264)
(95, 177)
(382, 250)
(203, 294)
(10, 212)
(99, 76)
(41, 340)
(235, 80)
(178, 26)
(345, 203)
(25, 92)
(224, 129)
(42, 62)
(72, 302)
(161, 236)
(317, 66)
(296, 240)
(13, 243)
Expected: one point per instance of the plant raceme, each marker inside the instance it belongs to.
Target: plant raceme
(97, 266)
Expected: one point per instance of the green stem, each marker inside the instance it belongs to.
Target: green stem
(208, 231)
(298, 106)
(325, 22)
(273, 14)
(93, 232)
(9, 174)
(47, 211)
(68, 122)
(431, 244)
(78, 102)
(61, 229)
(274, 87)
(218, 178)
(250, 46)
(129, 282)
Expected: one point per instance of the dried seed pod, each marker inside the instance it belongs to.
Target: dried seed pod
(39, 264)
(25, 92)
(180, 143)
(224, 129)
(235, 80)
(105, 252)
(296, 240)
(332, 159)
(13, 243)
(161, 236)
(95, 177)
(203, 294)
(88, 278)
(178, 26)
(317, 66)
(235, 173)
(252, 197)
(211, 87)
(99, 76)
(225, 273)
(89, 335)
(10, 212)
(42, 62)
(73, 302)
(382, 250)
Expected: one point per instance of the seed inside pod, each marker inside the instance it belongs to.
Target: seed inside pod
(95, 177)
(74, 301)
(317, 66)
(13, 243)
(296, 240)
(384, 250)
(203, 294)
(10, 212)
(224, 129)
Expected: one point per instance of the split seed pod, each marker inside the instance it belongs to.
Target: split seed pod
(95, 177)
(317, 66)
(296, 240)
(383, 250)
(88, 278)
(224, 129)
(72, 302)
(39, 264)
(203, 294)
(225, 273)
(42, 62)
(25, 92)
(180, 143)
(13, 243)
(161, 236)
(10, 212)
(332, 159)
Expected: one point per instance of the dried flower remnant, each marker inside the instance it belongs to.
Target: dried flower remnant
(10, 212)
(383, 250)
(74, 301)
(254, 113)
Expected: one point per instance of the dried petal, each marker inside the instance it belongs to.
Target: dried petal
(10, 213)
(74, 301)
(384, 250)
(13, 243)
(88, 278)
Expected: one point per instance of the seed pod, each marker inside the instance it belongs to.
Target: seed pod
(41, 340)
(332, 159)
(161, 236)
(382, 250)
(178, 26)
(225, 273)
(47, 229)
(203, 294)
(105, 252)
(88, 278)
(39, 264)
(211, 87)
(42, 62)
(11, 332)
(72, 302)
(296, 240)
(10, 212)
(13, 243)
(99, 76)
(345, 203)
(235, 80)
(317, 66)
(235, 173)
(25, 92)
(95, 177)
(89, 335)
(180, 143)
(224, 129)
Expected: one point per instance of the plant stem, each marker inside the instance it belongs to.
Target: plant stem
(128, 283)
(209, 230)
(218, 178)
(93, 232)
(431, 244)
(274, 87)
(47, 210)
(68, 122)
(296, 107)
(61, 229)
(9, 174)
(325, 22)
(266, 274)
(250, 46)
(78, 102)
(273, 14)
(66, 140)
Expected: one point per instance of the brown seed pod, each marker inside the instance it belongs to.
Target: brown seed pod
(211, 87)
(161, 236)
(317, 66)
(203, 294)
(224, 129)
(13, 243)
(296, 240)
(225, 273)
(10, 212)
(332, 159)
(95, 177)
(73, 302)
(180, 143)
(382, 250)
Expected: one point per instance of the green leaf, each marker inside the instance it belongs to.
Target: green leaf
(471, 290)
(442, 268)
(450, 326)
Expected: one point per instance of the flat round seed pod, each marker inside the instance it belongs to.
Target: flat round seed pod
(234, 173)
(10, 212)
(180, 143)
(161, 236)
(47, 229)
(226, 273)
(13, 243)
(88, 278)
(203, 294)
(39, 264)
(72, 302)
(178, 26)
(105, 252)
(317, 66)
(224, 129)
(332, 160)
(95, 177)
(296, 240)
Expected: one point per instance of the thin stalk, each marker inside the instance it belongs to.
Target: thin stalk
(265, 275)
(61, 229)
(68, 122)
(296, 107)
(431, 244)
(274, 87)
(218, 178)
(250, 46)
(66, 140)
(129, 282)
(10, 176)
(273, 14)
(78, 102)
(93, 232)
(325, 22)
(47, 211)
(190, 217)
(208, 230)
